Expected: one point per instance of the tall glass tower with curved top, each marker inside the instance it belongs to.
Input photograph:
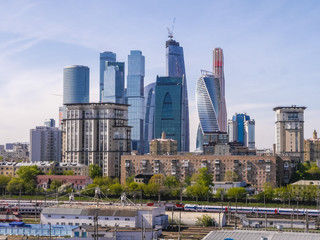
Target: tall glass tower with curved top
(75, 84)
(175, 68)
(208, 106)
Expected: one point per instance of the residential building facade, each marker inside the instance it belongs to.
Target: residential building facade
(312, 148)
(45, 144)
(76, 84)
(289, 128)
(255, 170)
(163, 146)
(135, 98)
(96, 133)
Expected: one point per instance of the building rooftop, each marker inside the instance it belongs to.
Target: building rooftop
(307, 182)
(257, 235)
(288, 107)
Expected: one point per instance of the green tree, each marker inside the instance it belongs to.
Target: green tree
(236, 193)
(268, 191)
(130, 179)
(230, 176)
(198, 190)
(15, 186)
(55, 184)
(115, 189)
(28, 173)
(205, 221)
(103, 181)
(219, 193)
(151, 189)
(158, 179)
(203, 177)
(4, 180)
(95, 171)
(171, 182)
(69, 173)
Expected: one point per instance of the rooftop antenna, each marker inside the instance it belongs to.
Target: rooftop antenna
(170, 32)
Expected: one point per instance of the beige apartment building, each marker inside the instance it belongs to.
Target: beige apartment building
(163, 146)
(96, 133)
(255, 170)
(312, 148)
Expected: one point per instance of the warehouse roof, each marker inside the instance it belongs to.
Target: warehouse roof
(257, 235)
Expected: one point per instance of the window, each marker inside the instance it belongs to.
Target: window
(71, 224)
(49, 215)
(127, 219)
(76, 217)
(106, 219)
(62, 216)
(89, 217)
(116, 218)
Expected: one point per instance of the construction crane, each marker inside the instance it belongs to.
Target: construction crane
(170, 32)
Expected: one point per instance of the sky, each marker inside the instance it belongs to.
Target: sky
(271, 52)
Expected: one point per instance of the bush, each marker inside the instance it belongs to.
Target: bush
(205, 221)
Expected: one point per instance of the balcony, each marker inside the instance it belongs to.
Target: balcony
(127, 165)
(173, 172)
(268, 168)
(217, 162)
(203, 164)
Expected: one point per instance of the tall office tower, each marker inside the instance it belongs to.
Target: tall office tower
(45, 144)
(104, 57)
(290, 131)
(175, 68)
(207, 102)
(50, 122)
(241, 129)
(96, 133)
(169, 116)
(114, 83)
(135, 98)
(75, 84)
(218, 65)
(149, 93)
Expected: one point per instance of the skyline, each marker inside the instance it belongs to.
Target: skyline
(268, 45)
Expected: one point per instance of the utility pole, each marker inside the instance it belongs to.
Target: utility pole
(141, 227)
(179, 237)
(49, 231)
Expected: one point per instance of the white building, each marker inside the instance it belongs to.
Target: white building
(45, 144)
(96, 133)
(227, 185)
(108, 216)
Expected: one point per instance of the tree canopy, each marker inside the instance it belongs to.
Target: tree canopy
(95, 171)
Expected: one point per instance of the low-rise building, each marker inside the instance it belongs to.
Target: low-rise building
(77, 168)
(106, 215)
(76, 182)
(163, 146)
(255, 170)
(226, 185)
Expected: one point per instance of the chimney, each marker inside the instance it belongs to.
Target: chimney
(314, 135)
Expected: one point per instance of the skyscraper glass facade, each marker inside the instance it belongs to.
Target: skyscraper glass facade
(241, 129)
(149, 94)
(104, 57)
(75, 84)
(175, 68)
(114, 83)
(168, 110)
(208, 106)
(135, 98)
(218, 72)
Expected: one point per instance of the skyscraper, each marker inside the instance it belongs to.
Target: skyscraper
(113, 91)
(75, 84)
(175, 68)
(104, 57)
(135, 97)
(207, 101)
(149, 93)
(289, 128)
(242, 129)
(168, 111)
(218, 72)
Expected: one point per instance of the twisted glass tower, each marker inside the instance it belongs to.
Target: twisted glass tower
(208, 106)
(149, 93)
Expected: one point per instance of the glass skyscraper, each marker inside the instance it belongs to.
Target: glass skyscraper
(149, 94)
(113, 85)
(175, 68)
(168, 110)
(104, 57)
(241, 129)
(135, 98)
(207, 101)
(75, 84)
(218, 65)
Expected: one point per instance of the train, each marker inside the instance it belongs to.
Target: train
(35, 207)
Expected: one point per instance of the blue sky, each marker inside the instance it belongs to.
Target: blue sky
(271, 50)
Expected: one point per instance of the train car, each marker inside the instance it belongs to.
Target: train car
(209, 208)
(289, 211)
(265, 210)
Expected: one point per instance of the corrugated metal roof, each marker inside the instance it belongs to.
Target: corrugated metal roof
(90, 212)
(257, 235)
